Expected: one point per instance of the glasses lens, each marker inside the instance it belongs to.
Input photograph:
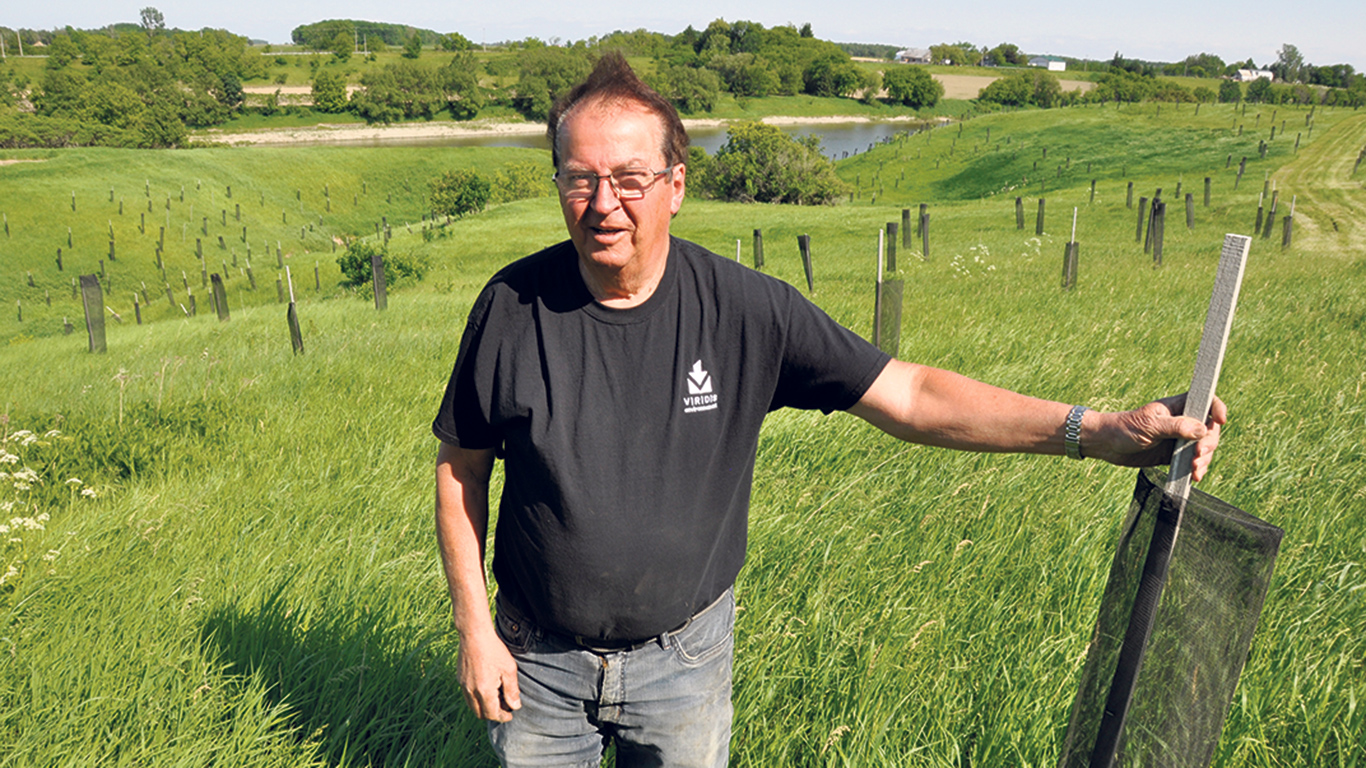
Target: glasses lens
(628, 184)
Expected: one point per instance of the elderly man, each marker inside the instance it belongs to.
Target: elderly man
(623, 377)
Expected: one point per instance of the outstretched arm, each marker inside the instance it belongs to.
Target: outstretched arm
(927, 405)
(488, 673)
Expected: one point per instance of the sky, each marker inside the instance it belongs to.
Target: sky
(1324, 31)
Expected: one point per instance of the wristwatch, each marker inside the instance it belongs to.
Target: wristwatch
(1071, 436)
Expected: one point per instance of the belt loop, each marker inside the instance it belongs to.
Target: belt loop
(663, 641)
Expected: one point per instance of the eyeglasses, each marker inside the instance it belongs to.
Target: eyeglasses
(627, 184)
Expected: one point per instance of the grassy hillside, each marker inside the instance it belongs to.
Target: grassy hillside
(252, 581)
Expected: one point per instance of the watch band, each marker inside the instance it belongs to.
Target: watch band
(1071, 436)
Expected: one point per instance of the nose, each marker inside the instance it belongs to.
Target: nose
(604, 199)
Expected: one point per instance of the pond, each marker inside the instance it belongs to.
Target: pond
(838, 140)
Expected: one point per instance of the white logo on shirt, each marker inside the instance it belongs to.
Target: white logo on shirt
(700, 395)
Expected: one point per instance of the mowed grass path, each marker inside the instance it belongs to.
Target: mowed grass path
(255, 581)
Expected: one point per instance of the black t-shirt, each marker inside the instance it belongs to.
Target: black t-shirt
(629, 435)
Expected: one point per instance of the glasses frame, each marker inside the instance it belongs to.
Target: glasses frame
(611, 182)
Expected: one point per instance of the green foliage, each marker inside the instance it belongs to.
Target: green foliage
(455, 41)
(911, 86)
(406, 89)
(691, 89)
(459, 79)
(458, 192)
(342, 45)
(519, 181)
(413, 48)
(760, 163)
(544, 74)
(1007, 55)
(318, 35)
(1230, 92)
(1259, 90)
(329, 92)
(1124, 85)
(399, 269)
(1204, 94)
(1031, 87)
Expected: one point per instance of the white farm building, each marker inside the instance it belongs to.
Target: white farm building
(1051, 63)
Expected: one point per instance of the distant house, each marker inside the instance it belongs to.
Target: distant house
(1248, 75)
(1051, 63)
(914, 56)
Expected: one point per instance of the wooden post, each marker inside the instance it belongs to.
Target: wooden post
(924, 209)
(1159, 219)
(1142, 211)
(92, 300)
(1069, 266)
(1257, 227)
(1038, 222)
(1206, 191)
(925, 235)
(1093, 190)
(279, 290)
(251, 277)
(804, 244)
(220, 298)
(296, 337)
(137, 309)
(377, 275)
(1288, 225)
(891, 246)
(906, 228)
(317, 281)
(1271, 215)
(59, 260)
(1129, 197)
(1019, 213)
(758, 249)
(1190, 211)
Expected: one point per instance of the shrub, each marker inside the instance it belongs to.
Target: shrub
(761, 163)
(1230, 92)
(519, 181)
(456, 193)
(398, 268)
(912, 86)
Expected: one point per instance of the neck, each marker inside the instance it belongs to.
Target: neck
(627, 286)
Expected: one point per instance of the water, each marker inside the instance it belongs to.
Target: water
(838, 140)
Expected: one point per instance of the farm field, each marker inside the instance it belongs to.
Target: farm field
(245, 572)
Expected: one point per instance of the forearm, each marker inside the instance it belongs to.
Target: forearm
(461, 527)
(931, 406)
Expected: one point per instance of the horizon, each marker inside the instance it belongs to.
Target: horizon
(1232, 31)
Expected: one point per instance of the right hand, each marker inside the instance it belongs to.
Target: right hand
(488, 677)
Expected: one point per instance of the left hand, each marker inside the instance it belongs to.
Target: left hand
(1147, 436)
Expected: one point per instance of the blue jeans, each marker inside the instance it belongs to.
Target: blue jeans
(664, 703)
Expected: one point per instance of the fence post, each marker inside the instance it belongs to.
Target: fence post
(906, 228)
(1206, 191)
(92, 300)
(377, 273)
(804, 244)
(758, 249)
(891, 246)
(1159, 225)
(1038, 223)
(1093, 190)
(220, 298)
(1271, 214)
(1190, 211)
(925, 235)
(296, 337)
(924, 208)
(1019, 213)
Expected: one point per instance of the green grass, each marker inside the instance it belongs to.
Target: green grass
(255, 582)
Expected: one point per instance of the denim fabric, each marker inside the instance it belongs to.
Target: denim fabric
(666, 703)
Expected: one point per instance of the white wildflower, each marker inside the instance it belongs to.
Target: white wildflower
(51, 555)
(4, 529)
(74, 481)
(88, 492)
(52, 433)
(8, 458)
(9, 574)
(22, 486)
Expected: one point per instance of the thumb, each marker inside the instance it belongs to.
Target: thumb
(512, 695)
(1187, 428)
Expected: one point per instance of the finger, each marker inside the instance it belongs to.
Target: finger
(1218, 412)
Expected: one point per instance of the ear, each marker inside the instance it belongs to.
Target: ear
(677, 186)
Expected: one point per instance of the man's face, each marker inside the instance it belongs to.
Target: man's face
(610, 233)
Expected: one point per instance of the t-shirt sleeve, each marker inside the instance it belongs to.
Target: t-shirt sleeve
(463, 417)
(825, 366)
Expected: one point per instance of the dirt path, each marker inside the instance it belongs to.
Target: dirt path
(1330, 213)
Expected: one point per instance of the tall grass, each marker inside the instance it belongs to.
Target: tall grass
(254, 582)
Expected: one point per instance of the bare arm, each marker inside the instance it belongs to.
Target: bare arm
(488, 673)
(927, 405)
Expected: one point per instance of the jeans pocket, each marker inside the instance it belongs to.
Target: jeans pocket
(709, 634)
(515, 632)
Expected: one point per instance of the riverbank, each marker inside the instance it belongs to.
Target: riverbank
(340, 133)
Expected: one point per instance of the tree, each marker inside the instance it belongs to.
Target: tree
(833, 74)
(458, 192)
(152, 20)
(413, 48)
(1007, 55)
(329, 92)
(1230, 92)
(912, 86)
(761, 163)
(342, 45)
(456, 42)
(1258, 90)
(1289, 64)
(459, 82)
